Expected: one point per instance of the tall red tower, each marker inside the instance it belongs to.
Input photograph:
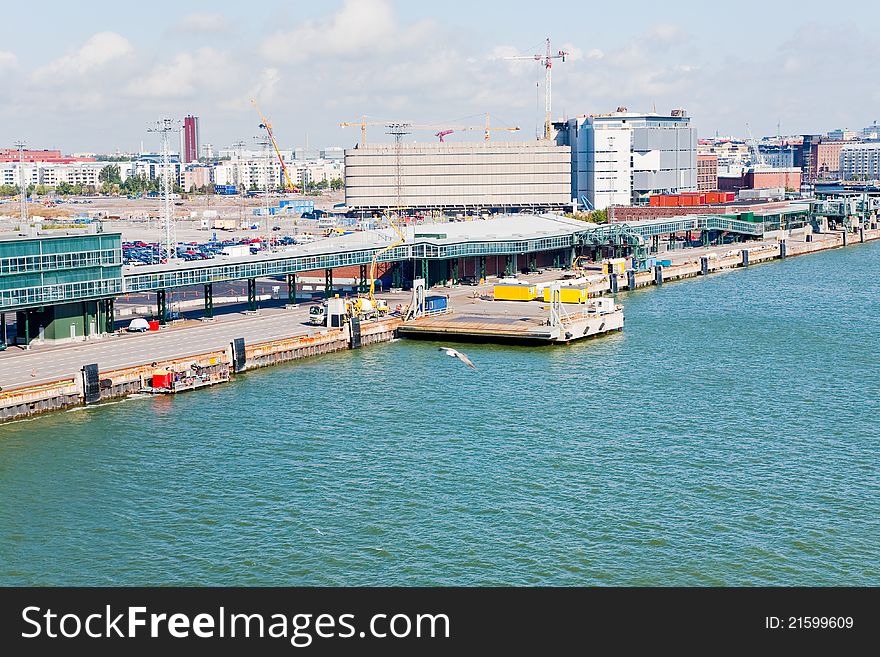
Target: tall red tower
(190, 139)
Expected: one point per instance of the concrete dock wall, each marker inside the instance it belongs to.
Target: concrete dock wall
(32, 400)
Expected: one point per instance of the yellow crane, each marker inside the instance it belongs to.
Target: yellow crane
(444, 130)
(401, 238)
(363, 126)
(268, 127)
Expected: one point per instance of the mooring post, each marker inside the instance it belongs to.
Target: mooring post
(613, 280)
(745, 257)
(783, 249)
(631, 279)
(658, 275)
(704, 266)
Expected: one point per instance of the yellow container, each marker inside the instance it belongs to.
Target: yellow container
(614, 266)
(515, 292)
(567, 294)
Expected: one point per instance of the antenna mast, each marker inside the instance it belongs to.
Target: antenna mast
(164, 127)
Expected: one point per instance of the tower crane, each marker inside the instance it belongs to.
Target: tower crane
(268, 127)
(546, 61)
(488, 130)
(363, 126)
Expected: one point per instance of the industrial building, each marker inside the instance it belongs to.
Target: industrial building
(860, 161)
(61, 287)
(490, 176)
(624, 157)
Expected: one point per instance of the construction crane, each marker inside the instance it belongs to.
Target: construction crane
(488, 130)
(374, 263)
(758, 155)
(363, 126)
(268, 128)
(546, 61)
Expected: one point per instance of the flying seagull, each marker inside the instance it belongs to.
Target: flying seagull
(449, 351)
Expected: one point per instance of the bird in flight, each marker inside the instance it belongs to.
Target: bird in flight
(449, 351)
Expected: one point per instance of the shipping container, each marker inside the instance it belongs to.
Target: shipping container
(515, 292)
(567, 294)
(435, 304)
(614, 266)
(162, 379)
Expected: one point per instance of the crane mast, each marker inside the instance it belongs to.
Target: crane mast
(268, 127)
(546, 60)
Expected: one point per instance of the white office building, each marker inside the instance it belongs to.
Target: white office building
(860, 161)
(52, 174)
(623, 157)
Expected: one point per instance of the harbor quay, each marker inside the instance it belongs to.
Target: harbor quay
(463, 263)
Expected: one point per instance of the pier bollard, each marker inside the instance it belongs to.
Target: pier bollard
(845, 237)
(745, 257)
(704, 266)
(631, 280)
(783, 249)
(808, 238)
(658, 275)
(613, 280)
(862, 234)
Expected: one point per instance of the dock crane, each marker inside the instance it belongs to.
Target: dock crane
(267, 126)
(546, 61)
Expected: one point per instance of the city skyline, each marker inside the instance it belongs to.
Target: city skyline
(96, 84)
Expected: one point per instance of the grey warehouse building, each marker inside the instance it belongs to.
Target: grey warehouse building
(464, 176)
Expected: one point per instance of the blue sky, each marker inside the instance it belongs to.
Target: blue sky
(92, 76)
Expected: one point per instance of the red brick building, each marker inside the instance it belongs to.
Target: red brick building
(45, 155)
(788, 178)
(707, 173)
(827, 160)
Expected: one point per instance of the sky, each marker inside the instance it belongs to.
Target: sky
(93, 77)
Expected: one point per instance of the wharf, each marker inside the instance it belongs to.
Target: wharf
(498, 328)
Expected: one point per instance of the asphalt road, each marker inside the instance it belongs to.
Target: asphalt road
(51, 363)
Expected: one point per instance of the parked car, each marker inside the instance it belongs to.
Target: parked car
(468, 280)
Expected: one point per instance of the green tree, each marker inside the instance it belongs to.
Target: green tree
(110, 174)
(595, 216)
(337, 183)
(64, 188)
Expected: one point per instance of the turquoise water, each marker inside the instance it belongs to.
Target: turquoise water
(727, 436)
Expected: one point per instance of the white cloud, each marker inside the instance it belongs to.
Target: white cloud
(358, 27)
(8, 60)
(595, 53)
(100, 50)
(181, 77)
(264, 90)
(665, 35)
(203, 23)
